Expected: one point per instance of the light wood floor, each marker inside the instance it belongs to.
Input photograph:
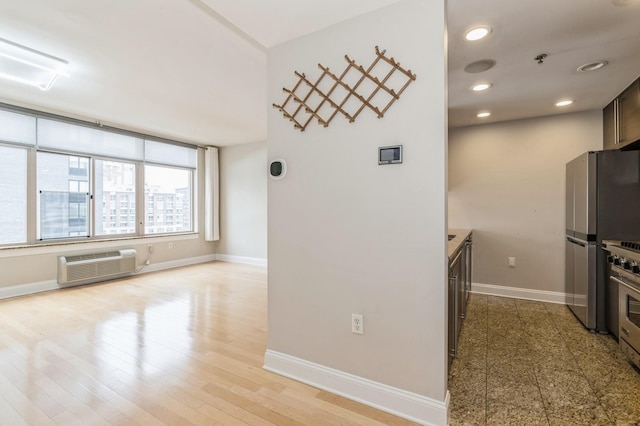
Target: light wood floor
(177, 347)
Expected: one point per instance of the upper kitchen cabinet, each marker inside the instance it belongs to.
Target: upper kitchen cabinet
(621, 120)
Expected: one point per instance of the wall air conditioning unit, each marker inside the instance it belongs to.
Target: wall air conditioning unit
(88, 268)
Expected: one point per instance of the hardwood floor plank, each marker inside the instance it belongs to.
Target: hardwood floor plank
(67, 419)
(9, 415)
(264, 411)
(72, 405)
(21, 403)
(317, 412)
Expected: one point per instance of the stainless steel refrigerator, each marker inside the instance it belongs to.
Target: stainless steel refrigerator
(602, 203)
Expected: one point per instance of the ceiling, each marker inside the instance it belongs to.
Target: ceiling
(570, 32)
(195, 70)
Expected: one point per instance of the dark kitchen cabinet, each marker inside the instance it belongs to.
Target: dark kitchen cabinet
(609, 125)
(621, 120)
(460, 275)
(629, 112)
(456, 275)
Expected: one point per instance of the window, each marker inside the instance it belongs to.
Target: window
(162, 184)
(115, 184)
(62, 178)
(63, 208)
(13, 195)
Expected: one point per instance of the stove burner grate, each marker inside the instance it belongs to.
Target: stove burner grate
(631, 245)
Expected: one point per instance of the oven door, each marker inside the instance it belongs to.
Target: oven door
(629, 314)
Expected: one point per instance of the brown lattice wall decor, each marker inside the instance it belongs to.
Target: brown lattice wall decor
(349, 93)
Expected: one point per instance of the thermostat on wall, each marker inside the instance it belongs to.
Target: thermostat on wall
(277, 168)
(390, 154)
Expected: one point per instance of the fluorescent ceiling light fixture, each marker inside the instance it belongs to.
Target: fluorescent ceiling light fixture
(564, 103)
(28, 66)
(477, 33)
(481, 87)
(484, 114)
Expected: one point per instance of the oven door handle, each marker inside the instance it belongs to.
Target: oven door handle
(618, 280)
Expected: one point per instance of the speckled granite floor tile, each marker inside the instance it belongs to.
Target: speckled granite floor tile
(568, 398)
(513, 396)
(539, 365)
(468, 392)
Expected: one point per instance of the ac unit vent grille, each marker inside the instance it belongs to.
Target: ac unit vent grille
(95, 267)
(71, 259)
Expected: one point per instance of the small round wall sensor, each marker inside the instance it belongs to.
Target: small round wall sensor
(277, 168)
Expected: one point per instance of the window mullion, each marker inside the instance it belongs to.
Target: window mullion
(141, 198)
(32, 194)
(92, 199)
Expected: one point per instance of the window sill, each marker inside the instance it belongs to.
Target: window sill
(65, 247)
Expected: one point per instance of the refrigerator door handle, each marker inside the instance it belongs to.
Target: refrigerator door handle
(578, 242)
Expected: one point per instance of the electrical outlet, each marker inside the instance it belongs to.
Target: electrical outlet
(512, 262)
(170, 245)
(150, 248)
(357, 323)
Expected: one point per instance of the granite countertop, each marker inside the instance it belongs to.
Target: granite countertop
(460, 236)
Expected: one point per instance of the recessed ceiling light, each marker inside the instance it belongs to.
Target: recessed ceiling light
(483, 114)
(592, 66)
(480, 66)
(481, 87)
(477, 33)
(564, 103)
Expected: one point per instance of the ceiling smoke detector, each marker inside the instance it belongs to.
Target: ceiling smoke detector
(480, 66)
(592, 66)
(540, 58)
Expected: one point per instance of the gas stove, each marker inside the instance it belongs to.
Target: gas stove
(624, 254)
(623, 294)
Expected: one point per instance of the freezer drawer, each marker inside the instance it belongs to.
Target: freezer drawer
(581, 280)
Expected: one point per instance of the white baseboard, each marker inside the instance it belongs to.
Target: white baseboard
(177, 263)
(399, 402)
(519, 293)
(31, 288)
(257, 261)
(24, 289)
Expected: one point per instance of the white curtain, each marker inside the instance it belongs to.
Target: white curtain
(211, 195)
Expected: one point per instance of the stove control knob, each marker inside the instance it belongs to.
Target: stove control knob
(627, 265)
(616, 261)
(610, 259)
(635, 268)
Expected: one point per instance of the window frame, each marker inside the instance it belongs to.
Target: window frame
(94, 200)
(32, 149)
(192, 191)
(38, 191)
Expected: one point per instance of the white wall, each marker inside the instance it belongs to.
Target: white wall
(243, 203)
(346, 235)
(507, 182)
